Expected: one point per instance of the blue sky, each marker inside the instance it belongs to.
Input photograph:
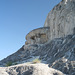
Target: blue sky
(17, 18)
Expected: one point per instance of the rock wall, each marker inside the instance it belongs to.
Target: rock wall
(60, 22)
(38, 36)
(61, 19)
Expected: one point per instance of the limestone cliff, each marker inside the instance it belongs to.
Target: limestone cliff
(61, 19)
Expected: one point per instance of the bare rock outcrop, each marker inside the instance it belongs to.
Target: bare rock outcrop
(53, 44)
(29, 69)
(38, 36)
(61, 19)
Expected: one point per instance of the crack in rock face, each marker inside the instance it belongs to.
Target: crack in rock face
(61, 19)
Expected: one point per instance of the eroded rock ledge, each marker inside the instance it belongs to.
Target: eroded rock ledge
(38, 36)
(29, 69)
(53, 44)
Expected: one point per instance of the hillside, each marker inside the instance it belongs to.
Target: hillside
(52, 45)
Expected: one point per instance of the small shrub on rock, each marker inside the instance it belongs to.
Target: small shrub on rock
(36, 61)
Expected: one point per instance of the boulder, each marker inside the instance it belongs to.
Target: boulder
(29, 69)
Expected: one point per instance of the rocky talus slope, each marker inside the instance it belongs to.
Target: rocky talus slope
(53, 44)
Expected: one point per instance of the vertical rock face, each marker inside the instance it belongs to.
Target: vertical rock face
(61, 19)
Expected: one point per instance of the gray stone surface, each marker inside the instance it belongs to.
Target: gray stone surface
(30, 69)
(53, 44)
(38, 36)
(61, 19)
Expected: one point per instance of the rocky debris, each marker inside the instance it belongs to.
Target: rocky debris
(58, 53)
(64, 65)
(61, 19)
(13, 58)
(30, 69)
(38, 36)
(24, 54)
